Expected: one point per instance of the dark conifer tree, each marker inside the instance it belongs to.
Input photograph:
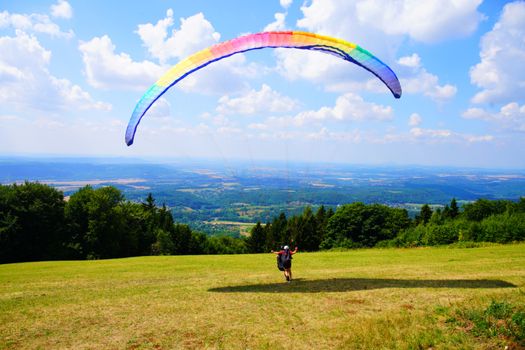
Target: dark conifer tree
(424, 215)
(257, 239)
(454, 209)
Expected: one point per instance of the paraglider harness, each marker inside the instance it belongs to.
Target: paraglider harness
(284, 260)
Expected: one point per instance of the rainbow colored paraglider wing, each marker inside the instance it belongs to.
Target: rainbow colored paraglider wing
(297, 40)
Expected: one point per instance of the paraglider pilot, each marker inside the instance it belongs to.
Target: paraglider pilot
(284, 261)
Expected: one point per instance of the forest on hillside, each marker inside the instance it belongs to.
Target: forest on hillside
(38, 223)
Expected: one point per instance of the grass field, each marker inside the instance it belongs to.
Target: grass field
(362, 299)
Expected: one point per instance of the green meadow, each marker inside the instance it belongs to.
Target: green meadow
(420, 298)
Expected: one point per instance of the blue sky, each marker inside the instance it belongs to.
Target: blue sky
(72, 71)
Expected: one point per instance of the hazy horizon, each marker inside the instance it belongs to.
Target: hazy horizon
(242, 161)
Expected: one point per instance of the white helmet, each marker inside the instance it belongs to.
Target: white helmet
(286, 247)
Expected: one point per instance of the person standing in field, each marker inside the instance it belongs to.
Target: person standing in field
(284, 259)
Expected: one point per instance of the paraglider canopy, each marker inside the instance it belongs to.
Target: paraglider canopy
(293, 39)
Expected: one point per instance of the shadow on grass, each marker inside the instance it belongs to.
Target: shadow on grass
(355, 284)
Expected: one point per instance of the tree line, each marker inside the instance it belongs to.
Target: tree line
(359, 225)
(499, 221)
(38, 223)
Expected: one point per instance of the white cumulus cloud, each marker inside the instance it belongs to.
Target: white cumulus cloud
(412, 61)
(347, 107)
(425, 21)
(445, 135)
(62, 9)
(380, 23)
(286, 3)
(27, 83)
(380, 26)
(35, 23)
(414, 119)
(477, 113)
(415, 79)
(500, 73)
(106, 69)
(256, 102)
(510, 117)
(431, 133)
(278, 24)
(195, 33)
